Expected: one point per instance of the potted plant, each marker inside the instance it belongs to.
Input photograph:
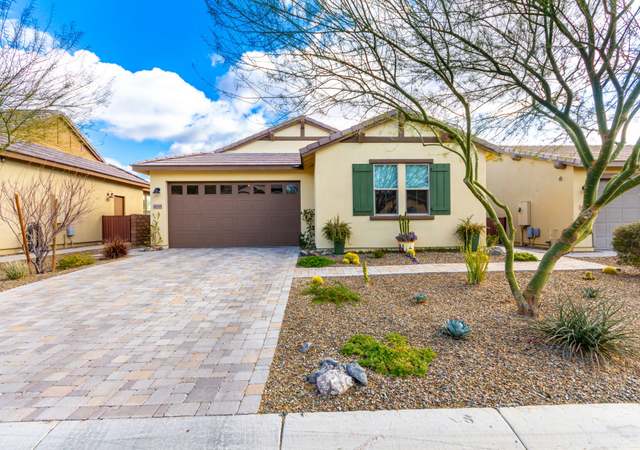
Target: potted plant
(469, 233)
(406, 239)
(338, 232)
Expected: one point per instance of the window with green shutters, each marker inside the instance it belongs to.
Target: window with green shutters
(438, 185)
(362, 189)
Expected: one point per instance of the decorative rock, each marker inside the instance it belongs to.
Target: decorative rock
(357, 372)
(330, 363)
(496, 251)
(333, 382)
(305, 347)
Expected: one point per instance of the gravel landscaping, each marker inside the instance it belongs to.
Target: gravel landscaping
(6, 284)
(502, 363)
(424, 257)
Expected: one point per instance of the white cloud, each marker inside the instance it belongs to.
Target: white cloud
(160, 105)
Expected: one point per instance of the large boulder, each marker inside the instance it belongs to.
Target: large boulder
(497, 251)
(334, 382)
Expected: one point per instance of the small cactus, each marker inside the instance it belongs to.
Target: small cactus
(457, 329)
(588, 276)
(420, 298)
(610, 270)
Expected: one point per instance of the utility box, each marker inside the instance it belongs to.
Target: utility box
(523, 214)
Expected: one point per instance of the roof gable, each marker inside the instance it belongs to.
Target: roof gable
(55, 130)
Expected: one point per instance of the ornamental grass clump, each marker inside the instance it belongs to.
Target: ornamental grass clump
(597, 331)
(394, 357)
(337, 293)
(315, 261)
(590, 293)
(477, 264)
(116, 248)
(15, 270)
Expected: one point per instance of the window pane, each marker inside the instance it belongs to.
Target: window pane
(276, 189)
(258, 189)
(417, 176)
(418, 202)
(385, 176)
(209, 189)
(226, 189)
(386, 202)
(243, 189)
(292, 188)
(192, 189)
(176, 189)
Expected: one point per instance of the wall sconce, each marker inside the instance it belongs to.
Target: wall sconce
(156, 190)
(110, 195)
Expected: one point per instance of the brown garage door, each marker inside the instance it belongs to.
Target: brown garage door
(234, 214)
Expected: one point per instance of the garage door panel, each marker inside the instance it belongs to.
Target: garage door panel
(237, 219)
(622, 211)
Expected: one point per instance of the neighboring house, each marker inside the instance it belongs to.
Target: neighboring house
(252, 192)
(546, 183)
(55, 146)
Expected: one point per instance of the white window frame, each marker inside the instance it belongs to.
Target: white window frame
(428, 189)
(397, 189)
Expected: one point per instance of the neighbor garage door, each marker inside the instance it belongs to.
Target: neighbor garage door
(625, 209)
(234, 214)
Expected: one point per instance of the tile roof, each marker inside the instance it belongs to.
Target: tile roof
(55, 156)
(224, 159)
(566, 154)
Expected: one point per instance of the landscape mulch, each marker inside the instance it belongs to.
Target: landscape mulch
(504, 362)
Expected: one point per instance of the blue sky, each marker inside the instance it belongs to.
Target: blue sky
(162, 68)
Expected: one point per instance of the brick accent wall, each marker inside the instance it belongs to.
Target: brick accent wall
(140, 224)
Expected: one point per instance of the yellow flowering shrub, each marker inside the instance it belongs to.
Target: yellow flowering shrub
(351, 258)
(317, 280)
(610, 270)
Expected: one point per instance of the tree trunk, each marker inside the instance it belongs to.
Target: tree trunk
(576, 232)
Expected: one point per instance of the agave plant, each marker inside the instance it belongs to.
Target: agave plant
(457, 329)
(420, 298)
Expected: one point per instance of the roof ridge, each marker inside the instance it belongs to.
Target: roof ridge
(247, 139)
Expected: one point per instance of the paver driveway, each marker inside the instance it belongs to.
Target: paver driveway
(171, 333)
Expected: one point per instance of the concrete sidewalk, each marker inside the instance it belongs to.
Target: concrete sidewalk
(606, 426)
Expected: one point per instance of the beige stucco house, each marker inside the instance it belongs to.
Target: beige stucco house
(253, 191)
(543, 187)
(55, 146)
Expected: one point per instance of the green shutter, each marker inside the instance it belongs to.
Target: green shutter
(440, 189)
(362, 189)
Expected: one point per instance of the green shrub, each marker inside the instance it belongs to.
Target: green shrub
(116, 248)
(15, 270)
(597, 330)
(524, 256)
(379, 253)
(477, 264)
(626, 241)
(77, 260)
(336, 293)
(315, 261)
(395, 357)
